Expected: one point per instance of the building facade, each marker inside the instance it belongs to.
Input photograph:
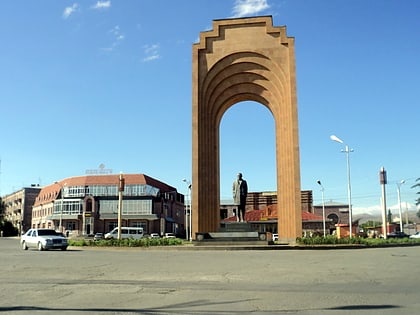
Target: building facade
(260, 201)
(18, 207)
(85, 205)
(261, 213)
(338, 216)
(338, 213)
(265, 221)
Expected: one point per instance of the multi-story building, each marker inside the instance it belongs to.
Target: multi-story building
(261, 200)
(337, 212)
(261, 212)
(18, 207)
(85, 205)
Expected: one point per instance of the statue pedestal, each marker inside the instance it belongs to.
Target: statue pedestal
(232, 233)
(235, 227)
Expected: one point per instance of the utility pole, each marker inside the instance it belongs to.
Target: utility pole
(383, 182)
(121, 185)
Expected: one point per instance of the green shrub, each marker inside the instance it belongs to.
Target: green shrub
(8, 229)
(370, 242)
(144, 242)
(77, 243)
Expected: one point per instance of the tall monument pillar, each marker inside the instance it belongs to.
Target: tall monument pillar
(245, 59)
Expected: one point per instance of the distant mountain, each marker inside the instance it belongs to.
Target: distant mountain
(377, 217)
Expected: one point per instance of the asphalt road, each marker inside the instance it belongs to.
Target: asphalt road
(170, 281)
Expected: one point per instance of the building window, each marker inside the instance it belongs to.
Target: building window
(71, 226)
(68, 207)
(333, 217)
(130, 207)
(111, 226)
(140, 224)
(74, 191)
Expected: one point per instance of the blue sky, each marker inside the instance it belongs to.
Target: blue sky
(84, 83)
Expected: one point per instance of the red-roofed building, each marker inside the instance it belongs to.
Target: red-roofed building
(265, 220)
(262, 200)
(85, 205)
(336, 214)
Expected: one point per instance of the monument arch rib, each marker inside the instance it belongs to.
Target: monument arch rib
(226, 73)
(239, 60)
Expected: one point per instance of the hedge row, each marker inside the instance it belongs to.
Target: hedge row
(144, 242)
(332, 240)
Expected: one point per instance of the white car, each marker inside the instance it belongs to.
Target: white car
(43, 239)
(416, 235)
(169, 235)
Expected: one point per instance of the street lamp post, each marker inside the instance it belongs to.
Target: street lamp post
(399, 202)
(189, 232)
(347, 150)
(383, 181)
(61, 207)
(121, 186)
(323, 206)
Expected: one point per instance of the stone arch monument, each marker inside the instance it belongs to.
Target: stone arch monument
(245, 59)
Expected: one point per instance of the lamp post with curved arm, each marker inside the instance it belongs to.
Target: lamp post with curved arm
(399, 202)
(189, 231)
(323, 206)
(347, 151)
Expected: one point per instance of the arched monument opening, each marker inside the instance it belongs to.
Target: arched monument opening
(244, 59)
(247, 145)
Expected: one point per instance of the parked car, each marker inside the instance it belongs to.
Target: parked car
(397, 234)
(154, 235)
(98, 236)
(43, 239)
(169, 235)
(415, 235)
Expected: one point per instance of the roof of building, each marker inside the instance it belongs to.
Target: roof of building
(308, 216)
(50, 192)
(250, 216)
(22, 191)
(332, 204)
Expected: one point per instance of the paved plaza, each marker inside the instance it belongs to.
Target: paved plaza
(174, 281)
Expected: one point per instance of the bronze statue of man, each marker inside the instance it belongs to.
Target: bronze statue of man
(240, 192)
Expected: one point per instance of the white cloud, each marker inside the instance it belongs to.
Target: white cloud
(151, 52)
(118, 37)
(102, 5)
(116, 31)
(70, 10)
(377, 209)
(249, 7)
(151, 58)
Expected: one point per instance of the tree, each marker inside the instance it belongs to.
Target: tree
(418, 193)
(6, 227)
(2, 207)
(417, 185)
(370, 224)
(389, 216)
